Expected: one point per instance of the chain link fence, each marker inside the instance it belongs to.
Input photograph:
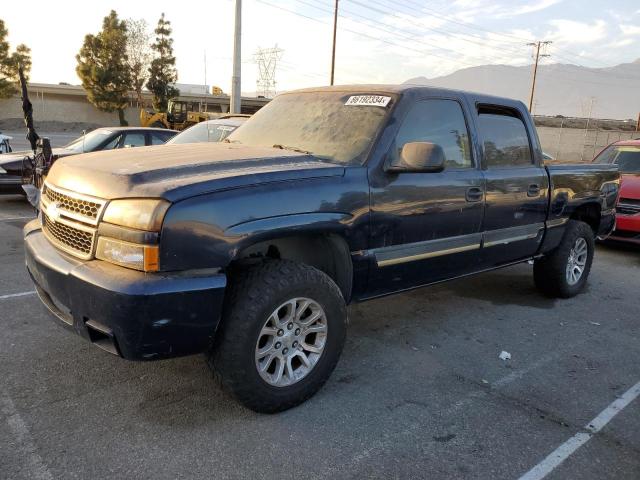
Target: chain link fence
(574, 145)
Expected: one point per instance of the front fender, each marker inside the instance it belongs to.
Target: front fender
(296, 224)
(209, 230)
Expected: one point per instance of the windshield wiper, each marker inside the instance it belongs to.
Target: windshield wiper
(293, 149)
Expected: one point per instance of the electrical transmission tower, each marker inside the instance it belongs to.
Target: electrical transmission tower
(267, 61)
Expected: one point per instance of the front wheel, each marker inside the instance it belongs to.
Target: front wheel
(282, 332)
(563, 273)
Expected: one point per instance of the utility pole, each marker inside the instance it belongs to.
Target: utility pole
(538, 56)
(586, 129)
(237, 53)
(333, 51)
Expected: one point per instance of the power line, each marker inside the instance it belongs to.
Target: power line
(396, 44)
(440, 29)
(422, 52)
(435, 13)
(382, 28)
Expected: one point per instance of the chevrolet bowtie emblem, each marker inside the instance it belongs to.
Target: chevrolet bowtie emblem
(53, 212)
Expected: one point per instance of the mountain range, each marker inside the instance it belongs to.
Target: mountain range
(561, 89)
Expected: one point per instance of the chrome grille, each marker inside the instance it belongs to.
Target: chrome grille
(69, 220)
(68, 237)
(80, 207)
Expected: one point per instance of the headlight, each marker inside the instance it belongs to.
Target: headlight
(142, 214)
(2, 170)
(131, 255)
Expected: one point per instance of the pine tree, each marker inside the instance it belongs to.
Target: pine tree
(162, 73)
(103, 69)
(9, 64)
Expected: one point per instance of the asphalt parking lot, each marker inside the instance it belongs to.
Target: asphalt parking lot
(419, 392)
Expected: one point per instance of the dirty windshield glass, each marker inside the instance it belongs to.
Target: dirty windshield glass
(329, 125)
(203, 132)
(627, 158)
(90, 141)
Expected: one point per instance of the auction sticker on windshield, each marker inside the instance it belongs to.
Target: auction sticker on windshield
(368, 100)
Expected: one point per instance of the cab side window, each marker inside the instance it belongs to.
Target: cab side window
(441, 122)
(506, 142)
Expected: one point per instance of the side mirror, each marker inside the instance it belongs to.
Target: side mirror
(423, 157)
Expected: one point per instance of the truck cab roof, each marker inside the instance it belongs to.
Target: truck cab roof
(420, 90)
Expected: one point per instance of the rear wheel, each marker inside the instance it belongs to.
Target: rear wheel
(282, 332)
(564, 272)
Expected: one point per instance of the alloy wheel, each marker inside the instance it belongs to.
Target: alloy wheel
(291, 342)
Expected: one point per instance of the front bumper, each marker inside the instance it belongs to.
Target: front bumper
(139, 316)
(627, 228)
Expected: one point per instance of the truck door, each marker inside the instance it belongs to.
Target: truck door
(426, 226)
(516, 187)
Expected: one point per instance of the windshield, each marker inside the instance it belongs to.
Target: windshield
(90, 141)
(626, 156)
(336, 126)
(203, 132)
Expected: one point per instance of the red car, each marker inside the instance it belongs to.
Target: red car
(627, 155)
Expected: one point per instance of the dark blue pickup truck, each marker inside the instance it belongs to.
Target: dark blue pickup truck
(250, 250)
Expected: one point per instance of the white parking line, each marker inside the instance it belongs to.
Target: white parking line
(561, 453)
(24, 441)
(21, 294)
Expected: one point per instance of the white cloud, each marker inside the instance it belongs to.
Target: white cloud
(572, 32)
(529, 8)
(631, 30)
(620, 43)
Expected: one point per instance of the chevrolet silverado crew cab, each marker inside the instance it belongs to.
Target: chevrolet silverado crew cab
(249, 250)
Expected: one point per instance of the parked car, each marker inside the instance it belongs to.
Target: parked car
(210, 131)
(250, 250)
(626, 155)
(108, 138)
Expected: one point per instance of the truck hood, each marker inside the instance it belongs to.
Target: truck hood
(12, 162)
(630, 186)
(176, 172)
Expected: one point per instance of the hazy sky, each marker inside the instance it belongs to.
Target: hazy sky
(379, 41)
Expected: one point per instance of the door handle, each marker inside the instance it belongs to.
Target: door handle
(533, 190)
(474, 194)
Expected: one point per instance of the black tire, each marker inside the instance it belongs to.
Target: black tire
(253, 294)
(550, 271)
